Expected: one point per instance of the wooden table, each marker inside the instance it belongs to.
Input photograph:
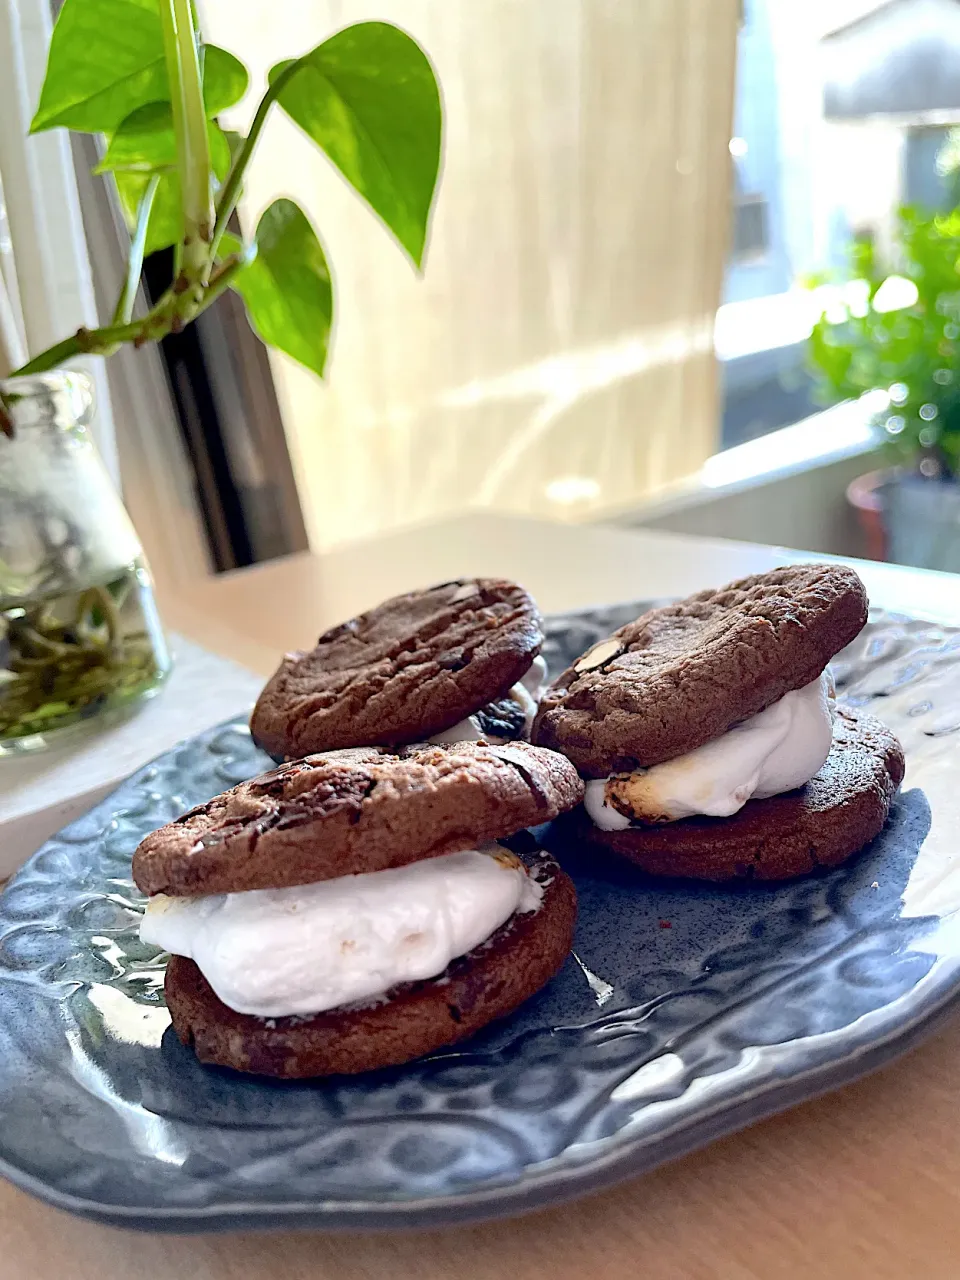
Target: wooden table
(861, 1183)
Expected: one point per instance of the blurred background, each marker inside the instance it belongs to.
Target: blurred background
(692, 266)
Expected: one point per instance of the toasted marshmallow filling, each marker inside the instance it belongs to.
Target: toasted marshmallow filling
(526, 694)
(275, 952)
(773, 752)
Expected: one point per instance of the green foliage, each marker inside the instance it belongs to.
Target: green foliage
(106, 60)
(127, 69)
(145, 144)
(287, 289)
(368, 97)
(912, 352)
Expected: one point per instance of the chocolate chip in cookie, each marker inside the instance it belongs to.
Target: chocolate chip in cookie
(682, 675)
(360, 872)
(350, 812)
(412, 668)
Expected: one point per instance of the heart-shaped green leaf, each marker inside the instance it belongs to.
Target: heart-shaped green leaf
(287, 288)
(145, 140)
(144, 143)
(225, 79)
(369, 98)
(106, 60)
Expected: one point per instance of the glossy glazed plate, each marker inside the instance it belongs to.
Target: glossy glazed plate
(686, 1012)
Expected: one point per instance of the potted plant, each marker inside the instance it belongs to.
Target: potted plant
(896, 329)
(77, 629)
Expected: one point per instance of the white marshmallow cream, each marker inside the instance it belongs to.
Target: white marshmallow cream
(275, 952)
(773, 752)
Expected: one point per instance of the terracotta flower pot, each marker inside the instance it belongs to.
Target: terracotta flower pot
(908, 519)
(865, 496)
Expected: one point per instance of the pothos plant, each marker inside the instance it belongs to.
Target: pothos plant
(139, 73)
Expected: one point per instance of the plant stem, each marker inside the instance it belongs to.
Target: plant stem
(190, 129)
(97, 342)
(196, 195)
(230, 192)
(223, 275)
(124, 308)
(50, 358)
(171, 53)
(171, 312)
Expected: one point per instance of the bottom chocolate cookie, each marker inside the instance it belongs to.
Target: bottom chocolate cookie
(839, 811)
(417, 1018)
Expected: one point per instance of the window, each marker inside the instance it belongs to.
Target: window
(845, 109)
(750, 233)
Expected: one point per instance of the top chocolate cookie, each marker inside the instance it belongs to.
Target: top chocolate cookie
(683, 675)
(406, 670)
(351, 812)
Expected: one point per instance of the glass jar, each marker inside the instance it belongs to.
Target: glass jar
(80, 639)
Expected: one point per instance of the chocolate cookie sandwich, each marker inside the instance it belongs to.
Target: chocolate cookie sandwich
(710, 737)
(354, 910)
(454, 663)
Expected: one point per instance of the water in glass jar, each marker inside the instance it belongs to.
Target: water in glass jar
(66, 658)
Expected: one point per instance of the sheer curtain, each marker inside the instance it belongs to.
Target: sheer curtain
(47, 280)
(556, 359)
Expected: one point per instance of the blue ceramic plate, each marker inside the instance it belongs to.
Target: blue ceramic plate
(686, 1011)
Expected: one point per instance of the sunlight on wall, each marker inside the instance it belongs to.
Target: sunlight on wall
(562, 330)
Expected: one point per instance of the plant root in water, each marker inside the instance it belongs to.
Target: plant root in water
(67, 658)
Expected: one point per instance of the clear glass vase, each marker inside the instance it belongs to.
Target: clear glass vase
(80, 639)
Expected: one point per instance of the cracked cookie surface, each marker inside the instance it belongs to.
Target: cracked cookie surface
(349, 812)
(682, 675)
(408, 669)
